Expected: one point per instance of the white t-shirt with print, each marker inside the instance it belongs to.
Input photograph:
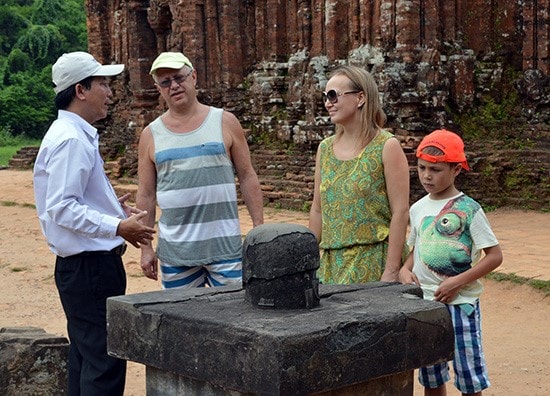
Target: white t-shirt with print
(448, 236)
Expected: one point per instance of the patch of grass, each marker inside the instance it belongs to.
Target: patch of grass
(9, 145)
(490, 208)
(12, 203)
(541, 285)
(306, 207)
(18, 269)
(6, 153)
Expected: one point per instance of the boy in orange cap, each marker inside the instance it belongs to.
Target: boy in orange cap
(448, 232)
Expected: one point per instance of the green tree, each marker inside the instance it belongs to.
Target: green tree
(18, 61)
(11, 25)
(28, 104)
(69, 18)
(42, 43)
(20, 3)
(33, 34)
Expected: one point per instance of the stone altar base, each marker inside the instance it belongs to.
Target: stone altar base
(211, 342)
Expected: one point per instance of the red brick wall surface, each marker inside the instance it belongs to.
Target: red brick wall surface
(268, 60)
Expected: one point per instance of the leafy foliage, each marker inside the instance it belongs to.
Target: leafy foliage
(496, 114)
(69, 18)
(33, 34)
(42, 43)
(18, 61)
(47, 11)
(27, 104)
(11, 24)
(491, 118)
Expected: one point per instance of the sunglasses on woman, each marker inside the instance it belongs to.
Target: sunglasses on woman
(332, 95)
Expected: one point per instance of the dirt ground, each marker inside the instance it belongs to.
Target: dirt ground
(516, 319)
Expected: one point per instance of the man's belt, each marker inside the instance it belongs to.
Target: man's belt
(118, 251)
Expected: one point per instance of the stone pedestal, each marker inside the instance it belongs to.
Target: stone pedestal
(361, 338)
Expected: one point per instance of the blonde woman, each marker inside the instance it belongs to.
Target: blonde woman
(360, 205)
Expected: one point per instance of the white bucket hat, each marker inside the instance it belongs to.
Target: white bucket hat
(76, 66)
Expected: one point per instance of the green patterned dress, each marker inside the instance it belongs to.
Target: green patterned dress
(355, 214)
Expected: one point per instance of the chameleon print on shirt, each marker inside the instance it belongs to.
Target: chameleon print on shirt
(445, 241)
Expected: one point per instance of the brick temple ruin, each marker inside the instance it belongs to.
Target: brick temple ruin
(267, 61)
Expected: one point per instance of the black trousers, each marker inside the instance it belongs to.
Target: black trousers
(84, 283)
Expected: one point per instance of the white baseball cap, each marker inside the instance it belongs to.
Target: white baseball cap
(76, 66)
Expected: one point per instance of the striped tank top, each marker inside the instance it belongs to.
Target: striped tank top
(196, 192)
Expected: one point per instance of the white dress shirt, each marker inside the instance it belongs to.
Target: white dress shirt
(77, 206)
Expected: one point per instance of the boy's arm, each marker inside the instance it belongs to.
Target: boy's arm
(449, 288)
(406, 276)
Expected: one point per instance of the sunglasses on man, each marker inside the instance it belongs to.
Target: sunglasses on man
(178, 79)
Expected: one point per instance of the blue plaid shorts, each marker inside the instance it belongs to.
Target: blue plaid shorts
(469, 362)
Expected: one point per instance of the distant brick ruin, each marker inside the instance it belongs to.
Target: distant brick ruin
(267, 61)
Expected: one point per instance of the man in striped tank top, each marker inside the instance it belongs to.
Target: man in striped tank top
(188, 158)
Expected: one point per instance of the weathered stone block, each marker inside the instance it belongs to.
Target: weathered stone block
(357, 334)
(32, 362)
(279, 266)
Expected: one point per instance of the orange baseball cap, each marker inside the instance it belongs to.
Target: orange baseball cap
(449, 143)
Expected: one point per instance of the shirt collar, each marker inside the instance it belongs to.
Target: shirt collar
(81, 122)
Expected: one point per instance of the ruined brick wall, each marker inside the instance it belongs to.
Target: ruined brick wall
(268, 60)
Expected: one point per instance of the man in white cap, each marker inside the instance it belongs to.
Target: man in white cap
(188, 157)
(84, 222)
